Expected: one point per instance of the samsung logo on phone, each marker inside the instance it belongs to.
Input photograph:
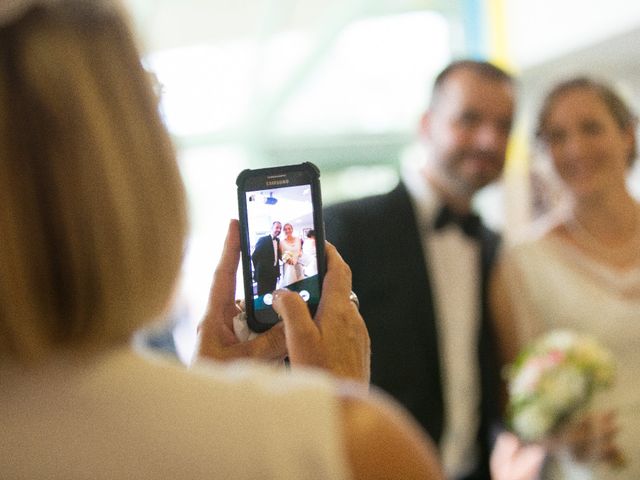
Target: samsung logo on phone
(280, 181)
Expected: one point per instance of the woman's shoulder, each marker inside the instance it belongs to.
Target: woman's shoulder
(383, 441)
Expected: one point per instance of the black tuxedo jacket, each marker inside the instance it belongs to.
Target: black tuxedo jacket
(265, 272)
(378, 237)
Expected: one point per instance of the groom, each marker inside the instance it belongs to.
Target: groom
(265, 260)
(421, 278)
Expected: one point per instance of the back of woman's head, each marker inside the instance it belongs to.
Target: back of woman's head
(93, 208)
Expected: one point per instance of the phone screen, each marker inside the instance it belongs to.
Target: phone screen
(283, 236)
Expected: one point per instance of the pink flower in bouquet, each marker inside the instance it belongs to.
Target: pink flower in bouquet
(552, 379)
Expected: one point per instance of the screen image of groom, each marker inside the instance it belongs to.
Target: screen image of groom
(265, 259)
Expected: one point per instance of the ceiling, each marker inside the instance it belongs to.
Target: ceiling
(541, 40)
(616, 59)
(174, 23)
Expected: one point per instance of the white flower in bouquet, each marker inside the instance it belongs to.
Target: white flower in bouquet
(533, 421)
(554, 378)
(287, 257)
(563, 388)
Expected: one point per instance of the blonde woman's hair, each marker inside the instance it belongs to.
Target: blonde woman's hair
(92, 207)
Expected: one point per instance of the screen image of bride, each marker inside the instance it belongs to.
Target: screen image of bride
(290, 252)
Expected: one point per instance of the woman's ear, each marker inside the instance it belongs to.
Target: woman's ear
(629, 134)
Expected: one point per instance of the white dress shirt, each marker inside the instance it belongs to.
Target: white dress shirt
(453, 265)
(275, 250)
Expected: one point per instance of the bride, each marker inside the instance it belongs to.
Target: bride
(290, 251)
(582, 270)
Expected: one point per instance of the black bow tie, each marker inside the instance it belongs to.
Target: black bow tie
(469, 223)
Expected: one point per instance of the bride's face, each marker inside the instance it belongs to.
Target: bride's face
(589, 149)
(288, 230)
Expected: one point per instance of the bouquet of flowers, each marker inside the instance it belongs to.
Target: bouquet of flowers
(287, 257)
(553, 379)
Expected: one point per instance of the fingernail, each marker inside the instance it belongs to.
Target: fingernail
(275, 294)
(278, 293)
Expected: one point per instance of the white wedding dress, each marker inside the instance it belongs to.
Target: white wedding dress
(291, 273)
(554, 285)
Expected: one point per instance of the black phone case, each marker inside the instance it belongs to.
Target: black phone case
(251, 179)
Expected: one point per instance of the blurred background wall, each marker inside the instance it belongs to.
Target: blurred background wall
(342, 83)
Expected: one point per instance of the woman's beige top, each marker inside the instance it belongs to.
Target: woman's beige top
(121, 416)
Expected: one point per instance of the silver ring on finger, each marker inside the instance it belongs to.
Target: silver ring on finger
(354, 298)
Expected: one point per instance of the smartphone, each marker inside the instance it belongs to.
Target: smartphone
(282, 238)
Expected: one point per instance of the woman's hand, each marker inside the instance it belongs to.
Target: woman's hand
(512, 460)
(216, 338)
(337, 339)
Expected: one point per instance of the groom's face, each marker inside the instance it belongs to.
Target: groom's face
(276, 228)
(468, 127)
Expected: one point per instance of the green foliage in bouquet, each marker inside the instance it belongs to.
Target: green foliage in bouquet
(552, 379)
